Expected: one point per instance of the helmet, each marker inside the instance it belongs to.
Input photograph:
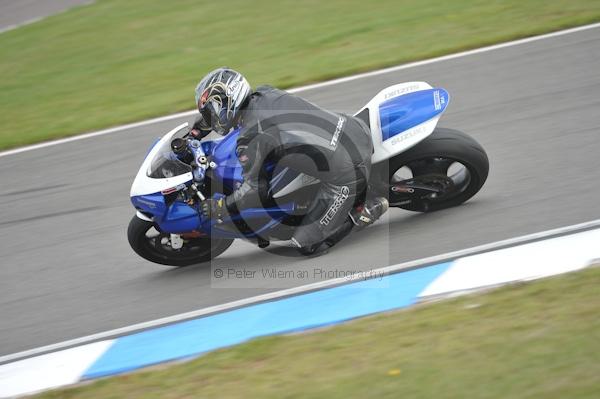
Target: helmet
(219, 97)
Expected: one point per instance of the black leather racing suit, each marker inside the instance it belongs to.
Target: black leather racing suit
(333, 147)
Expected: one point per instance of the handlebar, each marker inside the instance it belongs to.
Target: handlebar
(190, 151)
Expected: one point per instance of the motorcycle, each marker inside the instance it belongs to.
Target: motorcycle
(415, 164)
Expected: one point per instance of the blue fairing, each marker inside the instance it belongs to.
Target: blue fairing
(228, 169)
(401, 113)
(272, 216)
(152, 204)
(209, 146)
(178, 217)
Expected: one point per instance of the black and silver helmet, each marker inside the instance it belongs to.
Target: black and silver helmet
(219, 97)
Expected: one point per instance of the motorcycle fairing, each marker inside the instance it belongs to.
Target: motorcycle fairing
(179, 217)
(402, 115)
(264, 218)
(145, 185)
(228, 169)
(397, 115)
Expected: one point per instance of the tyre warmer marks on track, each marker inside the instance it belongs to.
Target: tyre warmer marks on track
(300, 312)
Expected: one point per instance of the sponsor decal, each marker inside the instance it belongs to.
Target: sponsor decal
(402, 137)
(338, 131)
(338, 201)
(400, 91)
(437, 104)
(233, 87)
(173, 189)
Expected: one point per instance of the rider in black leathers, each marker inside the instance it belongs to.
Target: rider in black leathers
(280, 127)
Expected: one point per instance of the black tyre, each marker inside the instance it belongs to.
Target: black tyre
(148, 243)
(449, 160)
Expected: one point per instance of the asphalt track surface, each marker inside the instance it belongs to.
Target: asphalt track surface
(67, 270)
(14, 13)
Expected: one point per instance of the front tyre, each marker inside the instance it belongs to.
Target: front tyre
(451, 164)
(151, 244)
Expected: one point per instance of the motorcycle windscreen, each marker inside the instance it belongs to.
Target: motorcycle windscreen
(165, 164)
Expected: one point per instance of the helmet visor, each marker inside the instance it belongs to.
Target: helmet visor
(212, 113)
(206, 115)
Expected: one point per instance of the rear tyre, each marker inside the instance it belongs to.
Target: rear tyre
(449, 160)
(147, 242)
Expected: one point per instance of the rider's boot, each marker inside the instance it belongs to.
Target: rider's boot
(366, 214)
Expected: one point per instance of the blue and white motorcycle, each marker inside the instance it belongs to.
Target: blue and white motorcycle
(418, 166)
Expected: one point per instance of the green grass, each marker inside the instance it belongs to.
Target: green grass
(119, 61)
(535, 340)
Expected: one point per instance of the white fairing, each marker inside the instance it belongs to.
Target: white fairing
(389, 148)
(144, 185)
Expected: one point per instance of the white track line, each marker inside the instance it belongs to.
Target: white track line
(37, 19)
(26, 22)
(298, 290)
(312, 86)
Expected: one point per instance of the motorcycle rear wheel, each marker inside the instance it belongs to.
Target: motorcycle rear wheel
(148, 244)
(449, 160)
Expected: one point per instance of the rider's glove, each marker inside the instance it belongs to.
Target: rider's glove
(200, 129)
(214, 208)
(199, 134)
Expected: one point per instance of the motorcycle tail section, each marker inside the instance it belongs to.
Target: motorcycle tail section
(402, 115)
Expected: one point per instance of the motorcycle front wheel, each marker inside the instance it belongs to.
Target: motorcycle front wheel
(153, 245)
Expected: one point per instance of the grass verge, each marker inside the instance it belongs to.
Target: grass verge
(535, 340)
(114, 61)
